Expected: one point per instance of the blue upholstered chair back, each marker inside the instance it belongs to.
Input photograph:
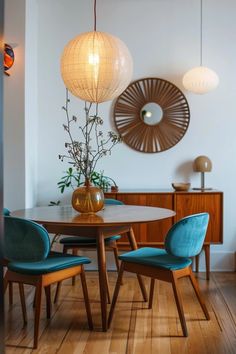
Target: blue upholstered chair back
(186, 237)
(110, 201)
(25, 240)
(6, 212)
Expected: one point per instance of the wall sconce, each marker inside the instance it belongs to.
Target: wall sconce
(202, 164)
(9, 58)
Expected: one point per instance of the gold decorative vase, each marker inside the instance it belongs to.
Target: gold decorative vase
(88, 198)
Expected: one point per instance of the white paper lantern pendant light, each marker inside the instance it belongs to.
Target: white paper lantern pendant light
(200, 79)
(96, 66)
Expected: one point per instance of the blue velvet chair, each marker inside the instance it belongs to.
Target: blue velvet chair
(27, 247)
(183, 241)
(75, 243)
(6, 212)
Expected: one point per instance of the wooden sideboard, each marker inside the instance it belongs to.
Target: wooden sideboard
(183, 203)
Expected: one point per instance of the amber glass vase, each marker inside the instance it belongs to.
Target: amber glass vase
(88, 198)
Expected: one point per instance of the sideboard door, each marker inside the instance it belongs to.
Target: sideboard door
(211, 202)
(156, 231)
(151, 234)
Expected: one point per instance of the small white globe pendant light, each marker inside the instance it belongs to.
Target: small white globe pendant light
(200, 79)
(96, 66)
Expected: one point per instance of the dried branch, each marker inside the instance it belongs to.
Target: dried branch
(83, 153)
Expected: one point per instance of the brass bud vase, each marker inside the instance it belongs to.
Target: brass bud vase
(88, 198)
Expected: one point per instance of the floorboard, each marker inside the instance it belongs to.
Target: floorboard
(135, 329)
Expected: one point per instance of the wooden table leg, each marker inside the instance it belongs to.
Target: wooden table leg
(207, 258)
(134, 246)
(102, 278)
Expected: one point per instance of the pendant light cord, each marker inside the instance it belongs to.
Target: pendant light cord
(95, 14)
(201, 34)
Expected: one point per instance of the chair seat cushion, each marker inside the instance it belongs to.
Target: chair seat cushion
(155, 257)
(77, 240)
(55, 261)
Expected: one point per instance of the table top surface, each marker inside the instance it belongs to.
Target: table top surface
(110, 215)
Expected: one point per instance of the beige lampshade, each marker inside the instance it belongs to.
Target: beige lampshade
(202, 164)
(96, 66)
(200, 80)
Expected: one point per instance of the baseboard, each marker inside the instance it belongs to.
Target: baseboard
(220, 261)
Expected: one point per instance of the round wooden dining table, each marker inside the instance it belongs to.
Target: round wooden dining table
(112, 220)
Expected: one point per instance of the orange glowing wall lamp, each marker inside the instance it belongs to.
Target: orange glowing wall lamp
(9, 58)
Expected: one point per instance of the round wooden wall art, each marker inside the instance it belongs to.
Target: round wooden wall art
(151, 115)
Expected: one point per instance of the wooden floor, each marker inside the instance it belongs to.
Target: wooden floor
(135, 329)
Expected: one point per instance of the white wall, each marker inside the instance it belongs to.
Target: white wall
(14, 108)
(20, 105)
(31, 102)
(163, 38)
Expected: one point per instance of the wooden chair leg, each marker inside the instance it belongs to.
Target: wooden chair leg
(134, 246)
(34, 299)
(108, 290)
(152, 286)
(115, 251)
(207, 258)
(198, 294)
(38, 298)
(54, 239)
(197, 263)
(142, 287)
(116, 256)
(73, 281)
(22, 300)
(58, 289)
(6, 283)
(10, 286)
(47, 290)
(86, 298)
(179, 305)
(57, 293)
(116, 292)
(75, 253)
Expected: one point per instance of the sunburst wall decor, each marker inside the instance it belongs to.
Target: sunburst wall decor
(151, 115)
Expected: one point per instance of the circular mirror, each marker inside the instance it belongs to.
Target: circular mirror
(151, 113)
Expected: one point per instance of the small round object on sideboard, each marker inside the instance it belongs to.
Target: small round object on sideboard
(181, 187)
